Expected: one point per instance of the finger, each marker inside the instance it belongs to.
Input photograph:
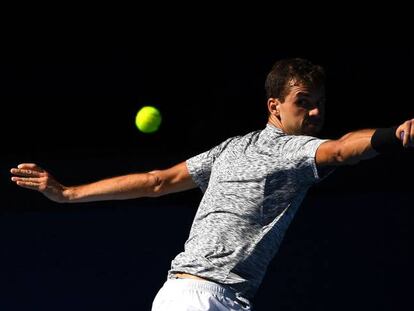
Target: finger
(26, 172)
(407, 134)
(400, 134)
(27, 165)
(25, 179)
(411, 143)
(31, 166)
(28, 184)
(404, 133)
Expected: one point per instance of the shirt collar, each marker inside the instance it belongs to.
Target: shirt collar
(273, 128)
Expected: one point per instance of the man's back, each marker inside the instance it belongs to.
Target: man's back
(253, 186)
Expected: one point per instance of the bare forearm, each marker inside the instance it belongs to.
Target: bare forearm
(356, 146)
(365, 144)
(349, 149)
(117, 188)
(151, 184)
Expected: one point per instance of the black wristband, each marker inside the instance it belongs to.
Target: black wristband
(384, 140)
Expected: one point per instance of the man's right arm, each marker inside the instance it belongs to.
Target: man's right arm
(131, 186)
(356, 146)
(349, 149)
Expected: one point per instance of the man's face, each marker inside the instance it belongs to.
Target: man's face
(302, 111)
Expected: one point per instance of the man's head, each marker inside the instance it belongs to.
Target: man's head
(295, 91)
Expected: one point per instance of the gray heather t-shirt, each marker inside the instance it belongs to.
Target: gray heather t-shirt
(253, 186)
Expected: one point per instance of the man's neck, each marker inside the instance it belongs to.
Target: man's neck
(275, 122)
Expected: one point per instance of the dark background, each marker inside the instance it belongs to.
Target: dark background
(70, 107)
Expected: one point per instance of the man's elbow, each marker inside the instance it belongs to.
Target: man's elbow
(338, 156)
(344, 152)
(344, 157)
(155, 184)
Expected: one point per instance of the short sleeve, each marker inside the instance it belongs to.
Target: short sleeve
(302, 155)
(200, 166)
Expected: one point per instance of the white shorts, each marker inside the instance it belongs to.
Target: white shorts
(195, 295)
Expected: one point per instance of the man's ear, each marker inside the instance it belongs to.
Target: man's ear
(273, 105)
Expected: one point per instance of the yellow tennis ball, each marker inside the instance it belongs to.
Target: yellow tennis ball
(148, 119)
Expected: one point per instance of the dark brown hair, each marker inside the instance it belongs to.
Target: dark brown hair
(292, 70)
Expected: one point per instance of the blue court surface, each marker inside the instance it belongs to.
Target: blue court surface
(115, 255)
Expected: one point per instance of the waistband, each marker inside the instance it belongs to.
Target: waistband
(202, 285)
(205, 286)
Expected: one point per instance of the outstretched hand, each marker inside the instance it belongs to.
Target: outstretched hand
(405, 133)
(31, 176)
